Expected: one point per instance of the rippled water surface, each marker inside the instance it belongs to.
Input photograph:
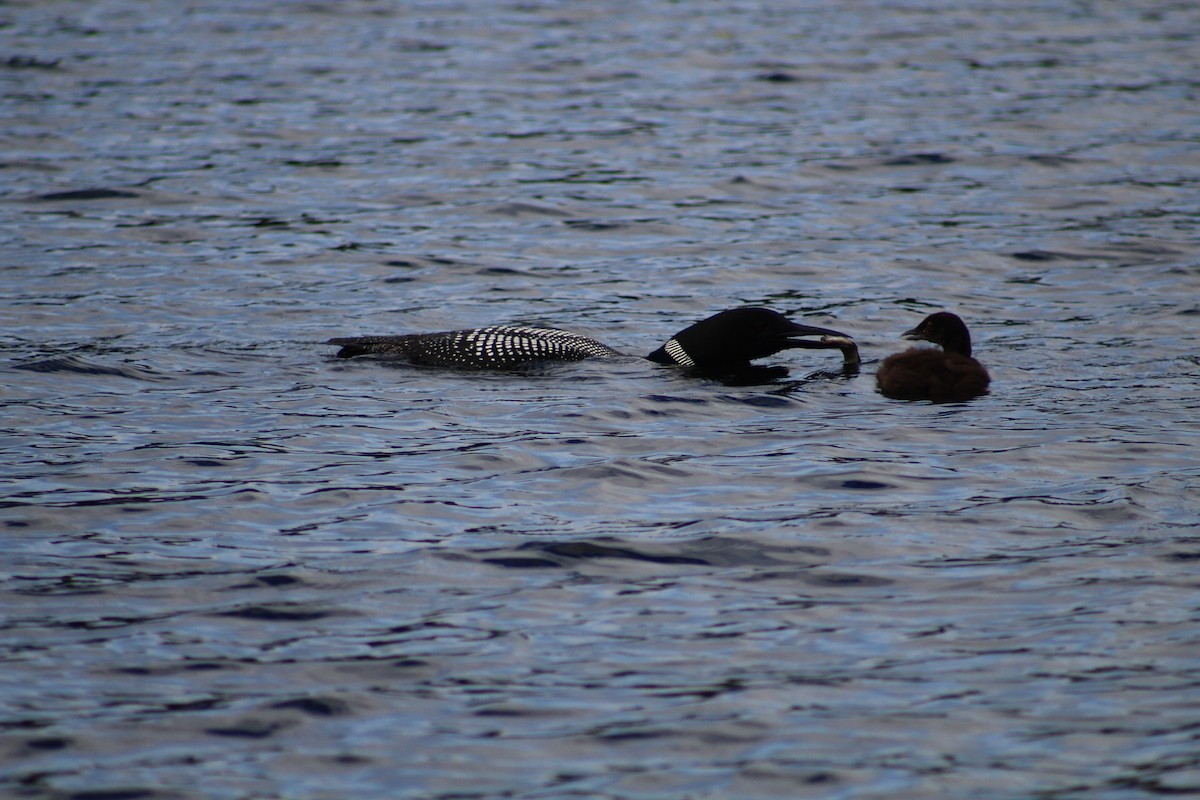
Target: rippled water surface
(237, 567)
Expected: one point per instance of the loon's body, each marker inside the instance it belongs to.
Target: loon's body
(941, 375)
(727, 341)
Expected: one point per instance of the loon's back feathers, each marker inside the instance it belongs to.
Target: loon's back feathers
(729, 340)
(494, 347)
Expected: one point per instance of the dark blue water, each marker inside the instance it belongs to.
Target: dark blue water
(236, 567)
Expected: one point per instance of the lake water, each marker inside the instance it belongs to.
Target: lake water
(234, 566)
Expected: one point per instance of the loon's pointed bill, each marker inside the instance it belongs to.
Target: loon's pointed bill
(829, 338)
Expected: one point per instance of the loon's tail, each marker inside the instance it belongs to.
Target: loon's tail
(362, 345)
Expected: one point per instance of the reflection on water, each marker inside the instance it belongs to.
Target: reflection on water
(238, 567)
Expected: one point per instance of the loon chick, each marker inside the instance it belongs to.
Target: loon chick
(727, 341)
(926, 373)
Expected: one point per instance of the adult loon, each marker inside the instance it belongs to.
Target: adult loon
(927, 373)
(725, 342)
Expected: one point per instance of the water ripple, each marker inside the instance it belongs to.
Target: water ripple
(236, 566)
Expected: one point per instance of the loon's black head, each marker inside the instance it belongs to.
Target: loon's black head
(732, 339)
(945, 329)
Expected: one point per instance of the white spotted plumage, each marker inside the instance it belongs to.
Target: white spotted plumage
(496, 346)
